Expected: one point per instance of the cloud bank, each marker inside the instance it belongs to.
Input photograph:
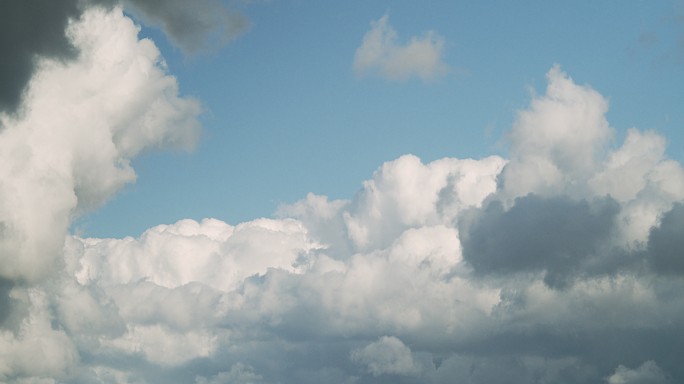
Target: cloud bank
(560, 264)
(380, 54)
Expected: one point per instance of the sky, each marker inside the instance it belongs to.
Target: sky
(287, 112)
(341, 192)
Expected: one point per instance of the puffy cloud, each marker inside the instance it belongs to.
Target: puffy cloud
(35, 30)
(388, 355)
(36, 349)
(405, 193)
(381, 54)
(639, 176)
(646, 373)
(561, 145)
(211, 252)
(84, 121)
(557, 142)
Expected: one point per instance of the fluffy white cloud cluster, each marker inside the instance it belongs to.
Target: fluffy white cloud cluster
(69, 149)
(562, 145)
(382, 55)
(562, 264)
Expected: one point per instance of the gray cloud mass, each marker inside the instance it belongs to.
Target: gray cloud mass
(31, 29)
(555, 235)
(666, 243)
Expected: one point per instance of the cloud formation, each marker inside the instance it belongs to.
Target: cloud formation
(200, 26)
(558, 264)
(562, 236)
(84, 121)
(388, 355)
(23, 38)
(646, 373)
(381, 54)
(35, 30)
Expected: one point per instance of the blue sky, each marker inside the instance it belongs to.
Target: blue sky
(286, 114)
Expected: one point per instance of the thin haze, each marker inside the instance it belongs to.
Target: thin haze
(559, 261)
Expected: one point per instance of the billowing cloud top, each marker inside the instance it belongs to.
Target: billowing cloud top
(561, 264)
(382, 55)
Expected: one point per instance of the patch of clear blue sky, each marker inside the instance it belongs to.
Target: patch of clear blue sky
(286, 115)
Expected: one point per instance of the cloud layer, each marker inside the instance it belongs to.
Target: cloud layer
(560, 264)
(381, 54)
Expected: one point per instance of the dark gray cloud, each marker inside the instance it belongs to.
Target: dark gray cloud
(30, 29)
(556, 235)
(34, 29)
(5, 300)
(666, 243)
(194, 26)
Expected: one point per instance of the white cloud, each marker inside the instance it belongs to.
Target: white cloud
(381, 54)
(646, 373)
(211, 252)
(561, 145)
(406, 193)
(71, 148)
(36, 349)
(557, 142)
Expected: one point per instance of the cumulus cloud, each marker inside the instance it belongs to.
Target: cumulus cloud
(563, 145)
(646, 373)
(84, 121)
(388, 355)
(405, 193)
(558, 264)
(381, 54)
(35, 30)
(211, 252)
(557, 142)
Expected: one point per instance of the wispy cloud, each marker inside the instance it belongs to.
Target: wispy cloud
(383, 55)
